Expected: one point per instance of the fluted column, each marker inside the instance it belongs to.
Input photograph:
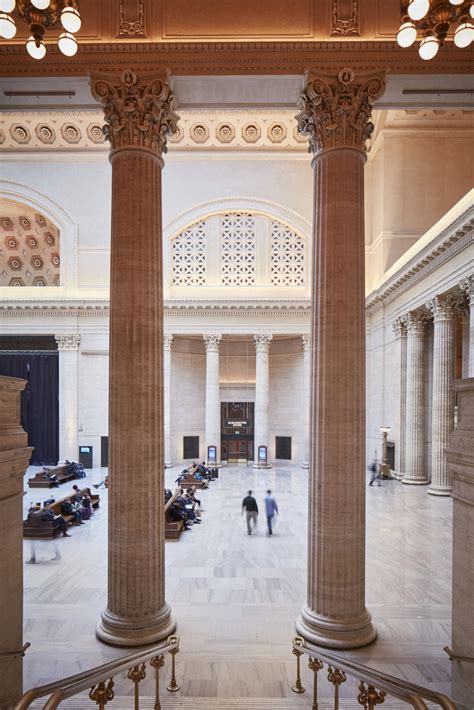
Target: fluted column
(213, 406)
(336, 116)
(400, 329)
(306, 345)
(442, 413)
(467, 285)
(261, 438)
(139, 116)
(167, 342)
(68, 347)
(415, 469)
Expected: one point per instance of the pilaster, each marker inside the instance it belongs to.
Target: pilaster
(306, 345)
(68, 347)
(213, 407)
(167, 343)
(261, 438)
(467, 285)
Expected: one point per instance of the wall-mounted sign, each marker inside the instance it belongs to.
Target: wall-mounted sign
(262, 454)
(212, 454)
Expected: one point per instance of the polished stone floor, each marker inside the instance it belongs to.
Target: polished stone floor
(236, 597)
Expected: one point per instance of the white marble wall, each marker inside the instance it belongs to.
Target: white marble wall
(286, 403)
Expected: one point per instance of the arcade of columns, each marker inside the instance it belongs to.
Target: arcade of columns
(410, 329)
(335, 114)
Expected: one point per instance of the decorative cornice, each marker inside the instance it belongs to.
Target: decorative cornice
(212, 342)
(138, 112)
(259, 57)
(262, 343)
(68, 342)
(336, 110)
(451, 241)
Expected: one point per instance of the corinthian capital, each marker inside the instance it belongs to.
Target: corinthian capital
(262, 343)
(167, 341)
(212, 343)
(68, 342)
(336, 110)
(138, 111)
(399, 327)
(467, 285)
(416, 322)
(442, 307)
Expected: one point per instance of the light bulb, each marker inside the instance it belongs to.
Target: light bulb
(464, 35)
(7, 26)
(418, 9)
(71, 19)
(40, 4)
(471, 10)
(428, 47)
(7, 5)
(456, 2)
(35, 51)
(67, 44)
(406, 34)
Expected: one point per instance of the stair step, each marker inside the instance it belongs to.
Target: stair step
(184, 703)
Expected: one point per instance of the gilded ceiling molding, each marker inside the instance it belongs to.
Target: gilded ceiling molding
(345, 23)
(129, 27)
(138, 112)
(336, 110)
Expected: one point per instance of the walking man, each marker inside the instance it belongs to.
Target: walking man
(249, 504)
(271, 510)
(374, 471)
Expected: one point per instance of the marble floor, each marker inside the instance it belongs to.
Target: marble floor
(236, 597)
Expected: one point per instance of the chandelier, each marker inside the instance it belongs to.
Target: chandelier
(42, 15)
(433, 19)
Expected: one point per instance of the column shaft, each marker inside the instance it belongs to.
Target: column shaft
(306, 343)
(467, 285)
(443, 400)
(261, 437)
(168, 339)
(213, 407)
(139, 116)
(400, 330)
(415, 472)
(68, 395)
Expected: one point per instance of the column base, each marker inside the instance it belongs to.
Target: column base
(305, 464)
(218, 464)
(398, 475)
(117, 631)
(259, 465)
(440, 490)
(169, 464)
(333, 633)
(415, 481)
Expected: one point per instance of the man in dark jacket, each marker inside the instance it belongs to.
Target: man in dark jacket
(249, 504)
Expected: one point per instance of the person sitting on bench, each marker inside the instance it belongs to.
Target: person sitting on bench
(46, 516)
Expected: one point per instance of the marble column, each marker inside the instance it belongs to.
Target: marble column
(306, 345)
(460, 462)
(261, 438)
(442, 412)
(14, 460)
(467, 285)
(335, 115)
(213, 404)
(400, 329)
(68, 347)
(139, 116)
(415, 459)
(167, 342)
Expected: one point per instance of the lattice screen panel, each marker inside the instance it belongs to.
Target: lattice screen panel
(238, 264)
(287, 256)
(189, 256)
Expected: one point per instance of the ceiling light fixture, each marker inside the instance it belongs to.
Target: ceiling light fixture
(42, 15)
(433, 20)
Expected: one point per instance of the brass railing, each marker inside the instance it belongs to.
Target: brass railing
(374, 685)
(100, 680)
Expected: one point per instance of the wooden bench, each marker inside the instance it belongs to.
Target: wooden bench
(35, 528)
(40, 481)
(173, 528)
(191, 482)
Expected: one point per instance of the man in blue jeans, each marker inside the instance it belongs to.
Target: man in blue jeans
(271, 510)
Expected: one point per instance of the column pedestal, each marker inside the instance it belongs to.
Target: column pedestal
(262, 347)
(415, 420)
(139, 116)
(335, 116)
(442, 424)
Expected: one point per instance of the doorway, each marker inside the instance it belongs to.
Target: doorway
(237, 423)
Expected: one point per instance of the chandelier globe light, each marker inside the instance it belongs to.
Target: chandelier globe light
(432, 21)
(42, 16)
